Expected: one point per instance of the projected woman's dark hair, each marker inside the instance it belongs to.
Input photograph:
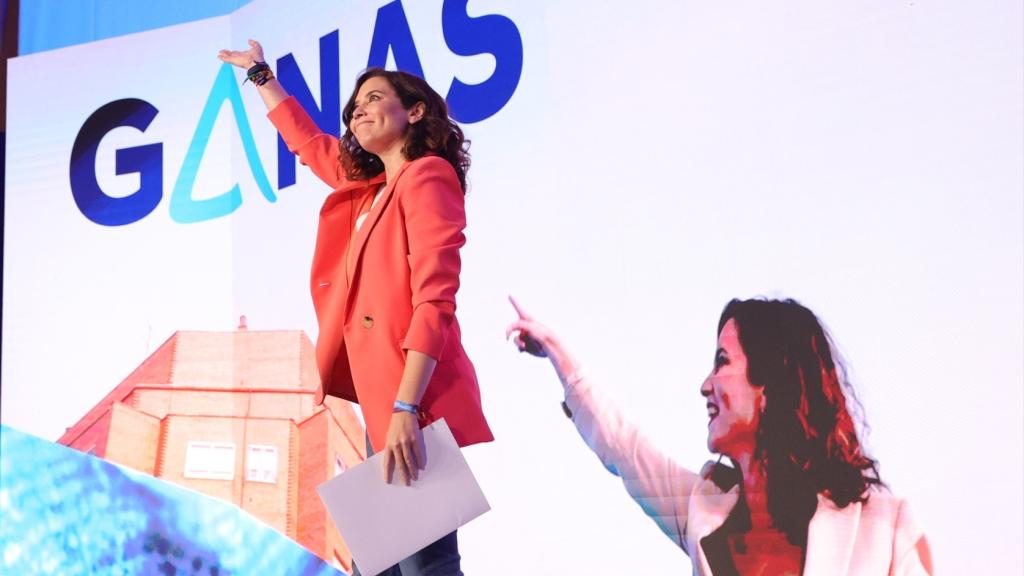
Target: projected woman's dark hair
(807, 441)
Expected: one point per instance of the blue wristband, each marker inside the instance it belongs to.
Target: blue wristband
(406, 407)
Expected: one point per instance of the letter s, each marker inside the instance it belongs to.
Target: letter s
(146, 160)
(491, 34)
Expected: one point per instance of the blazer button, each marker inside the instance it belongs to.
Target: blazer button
(367, 322)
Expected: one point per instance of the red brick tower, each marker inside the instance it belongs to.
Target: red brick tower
(231, 414)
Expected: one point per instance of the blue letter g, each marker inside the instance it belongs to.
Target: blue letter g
(145, 160)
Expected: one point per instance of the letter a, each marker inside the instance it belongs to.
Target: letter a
(391, 30)
(184, 208)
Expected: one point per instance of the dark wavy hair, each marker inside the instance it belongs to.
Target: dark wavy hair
(807, 439)
(436, 133)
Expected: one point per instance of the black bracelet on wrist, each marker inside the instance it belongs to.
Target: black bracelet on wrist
(259, 74)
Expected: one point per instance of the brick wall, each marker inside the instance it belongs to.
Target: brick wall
(242, 388)
(134, 439)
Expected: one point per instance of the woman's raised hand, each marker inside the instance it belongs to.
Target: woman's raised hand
(270, 90)
(535, 338)
(530, 336)
(243, 58)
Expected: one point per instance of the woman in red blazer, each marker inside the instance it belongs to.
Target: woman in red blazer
(386, 267)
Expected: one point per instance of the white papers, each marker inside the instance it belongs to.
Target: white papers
(384, 523)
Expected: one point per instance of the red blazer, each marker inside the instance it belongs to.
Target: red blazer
(390, 287)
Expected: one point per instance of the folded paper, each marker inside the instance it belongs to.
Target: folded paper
(384, 523)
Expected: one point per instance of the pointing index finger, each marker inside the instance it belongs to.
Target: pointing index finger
(519, 310)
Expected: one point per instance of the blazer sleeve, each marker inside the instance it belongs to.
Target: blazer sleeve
(433, 206)
(661, 487)
(315, 149)
(911, 554)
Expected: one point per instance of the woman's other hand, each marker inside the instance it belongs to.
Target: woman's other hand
(404, 452)
(243, 58)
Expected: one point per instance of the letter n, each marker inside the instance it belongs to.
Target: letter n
(327, 116)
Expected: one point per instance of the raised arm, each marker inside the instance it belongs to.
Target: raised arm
(315, 149)
(659, 485)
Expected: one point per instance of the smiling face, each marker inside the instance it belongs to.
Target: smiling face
(379, 121)
(734, 404)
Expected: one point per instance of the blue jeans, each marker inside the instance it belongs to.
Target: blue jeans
(438, 559)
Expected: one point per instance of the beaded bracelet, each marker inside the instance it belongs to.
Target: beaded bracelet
(259, 74)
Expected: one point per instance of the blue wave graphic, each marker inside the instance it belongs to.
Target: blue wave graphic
(65, 512)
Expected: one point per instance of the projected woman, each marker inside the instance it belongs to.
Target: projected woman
(801, 496)
(386, 266)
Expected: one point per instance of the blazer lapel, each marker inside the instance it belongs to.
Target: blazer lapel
(707, 510)
(830, 538)
(359, 240)
(335, 236)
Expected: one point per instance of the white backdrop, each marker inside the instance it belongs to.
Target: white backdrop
(655, 160)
